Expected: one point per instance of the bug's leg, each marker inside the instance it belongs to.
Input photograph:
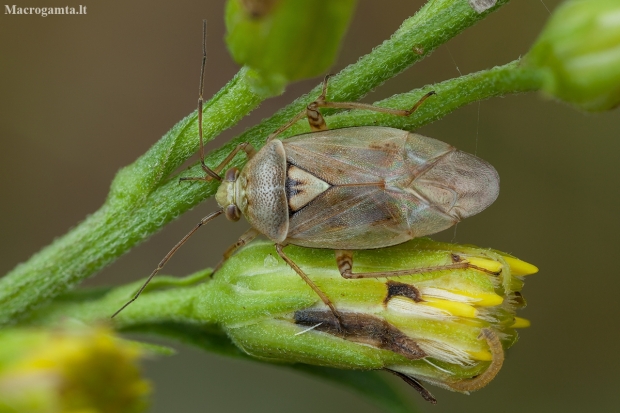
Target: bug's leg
(497, 352)
(322, 103)
(244, 239)
(168, 256)
(426, 395)
(475, 383)
(311, 284)
(284, 127)
(317, 122)
(245, 146)
(344, 260)
(365, 106)
(315, 119)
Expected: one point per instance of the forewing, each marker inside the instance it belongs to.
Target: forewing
(351, 217)
(351, 155)
(371, 203)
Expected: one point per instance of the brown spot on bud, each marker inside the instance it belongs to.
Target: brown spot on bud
(362, 328)
(395, 288)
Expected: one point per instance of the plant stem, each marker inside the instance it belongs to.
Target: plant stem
(450, 95)
(123, 220)
(143, 198)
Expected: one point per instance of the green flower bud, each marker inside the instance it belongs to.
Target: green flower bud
(445, 325)
(286, 40)
(69, 371)
(579, 54)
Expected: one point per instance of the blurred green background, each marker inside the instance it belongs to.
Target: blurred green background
(82, 96)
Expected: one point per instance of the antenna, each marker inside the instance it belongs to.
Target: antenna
(208, 171)
(168, 256)
(205, 168)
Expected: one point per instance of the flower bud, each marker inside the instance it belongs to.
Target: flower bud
(69, 371)
(286, 40)
(578, 53)
(449, 323)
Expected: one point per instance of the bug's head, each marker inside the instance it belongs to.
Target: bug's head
(226, 195)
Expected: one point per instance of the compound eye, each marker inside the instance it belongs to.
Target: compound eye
(232, 213)
(231, 175)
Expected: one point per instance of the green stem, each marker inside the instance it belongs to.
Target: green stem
(450, 95)
(142, 197)
(168, 299)
(123, 220)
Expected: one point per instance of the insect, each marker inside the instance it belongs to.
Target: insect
(346, 189)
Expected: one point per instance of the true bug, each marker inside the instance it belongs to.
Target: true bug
(346, 189)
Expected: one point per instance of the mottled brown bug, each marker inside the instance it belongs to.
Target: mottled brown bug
(347, 189)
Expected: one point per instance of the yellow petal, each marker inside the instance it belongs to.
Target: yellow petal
(482, 299)
(520, 268)
(487, 264)
(483, 355)
(453, 307)
(520, 323)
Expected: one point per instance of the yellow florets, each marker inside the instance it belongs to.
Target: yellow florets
(84, 371)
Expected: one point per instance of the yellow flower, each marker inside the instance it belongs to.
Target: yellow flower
(69, 371)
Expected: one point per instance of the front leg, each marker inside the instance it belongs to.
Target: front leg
(215, 172)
